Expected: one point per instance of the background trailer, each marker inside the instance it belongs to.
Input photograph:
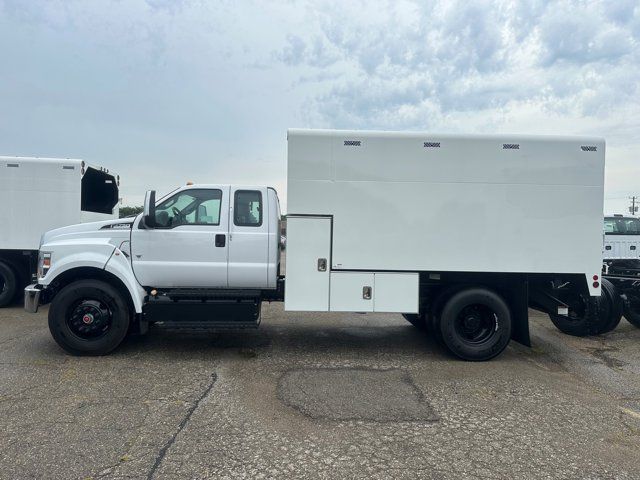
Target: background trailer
(40, 194)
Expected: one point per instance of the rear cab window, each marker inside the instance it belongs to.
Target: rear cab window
(247, 208)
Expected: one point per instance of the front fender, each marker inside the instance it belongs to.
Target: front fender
(120, 266)
(68, 255)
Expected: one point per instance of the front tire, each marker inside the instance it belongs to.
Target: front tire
(8, 284)
(89, 317)
(475, 324)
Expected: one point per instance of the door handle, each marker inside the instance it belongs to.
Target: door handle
(221, 239)
(366, 292)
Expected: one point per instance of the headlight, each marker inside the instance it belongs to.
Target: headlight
(44, 263)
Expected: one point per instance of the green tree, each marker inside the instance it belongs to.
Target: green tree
(130, 211)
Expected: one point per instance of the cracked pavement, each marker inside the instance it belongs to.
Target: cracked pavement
(318, 396)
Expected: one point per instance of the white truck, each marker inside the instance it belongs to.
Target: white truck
(621, 239)
(453, 231)
(621, 261)
(38, 194)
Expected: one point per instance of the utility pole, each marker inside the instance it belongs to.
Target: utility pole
(633, 208)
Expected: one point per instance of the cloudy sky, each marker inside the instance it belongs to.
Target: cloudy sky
(165, 91)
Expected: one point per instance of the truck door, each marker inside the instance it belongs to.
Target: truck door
(189, 246)
(248, 238)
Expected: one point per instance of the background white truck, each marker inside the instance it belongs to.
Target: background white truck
(38, 194)
(459, 233)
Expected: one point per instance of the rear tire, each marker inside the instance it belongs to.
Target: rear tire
(89, 317)
(435, 310)
(584, 316)
(475, 324)
(613, 309)
(8, 284)
(631, 305)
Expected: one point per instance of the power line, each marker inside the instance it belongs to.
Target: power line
(633, 208)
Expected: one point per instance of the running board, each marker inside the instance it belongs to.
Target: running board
(208, 314)
(206, 294)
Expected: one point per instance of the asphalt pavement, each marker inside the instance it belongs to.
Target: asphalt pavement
(318, 396)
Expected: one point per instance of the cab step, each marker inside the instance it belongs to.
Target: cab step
(202, 314)
(205, 294)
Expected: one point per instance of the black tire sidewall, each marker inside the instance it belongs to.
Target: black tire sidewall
(435, 310)
(632, 316)
(615, 307)
(495, 344)
(10, 281)
(89, 289)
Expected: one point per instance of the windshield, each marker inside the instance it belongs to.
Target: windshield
(621, 226)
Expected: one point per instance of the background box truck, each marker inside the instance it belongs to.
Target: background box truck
(39, 194)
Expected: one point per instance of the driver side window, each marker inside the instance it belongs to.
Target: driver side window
(190, 207)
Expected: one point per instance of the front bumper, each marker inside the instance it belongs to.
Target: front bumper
(32, 298)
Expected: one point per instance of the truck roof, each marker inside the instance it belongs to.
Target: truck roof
(448, 136)
(50, 161)
(218, 185)
(40, 159)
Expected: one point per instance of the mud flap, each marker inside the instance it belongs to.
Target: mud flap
(518, 297)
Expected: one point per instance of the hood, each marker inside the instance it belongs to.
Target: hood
(115, 231)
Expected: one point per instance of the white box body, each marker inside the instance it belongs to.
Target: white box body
(40, 194)
(414, 202)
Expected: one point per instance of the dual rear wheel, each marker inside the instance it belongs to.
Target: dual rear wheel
(472, 323)
(589, 315)
(631, 307)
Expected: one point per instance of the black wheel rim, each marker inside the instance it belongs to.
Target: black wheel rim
(89, 319)
(3, 284)
(476, 324)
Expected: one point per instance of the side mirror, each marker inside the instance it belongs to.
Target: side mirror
(149, 213)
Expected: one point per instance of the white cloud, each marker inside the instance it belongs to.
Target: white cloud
(166, 90)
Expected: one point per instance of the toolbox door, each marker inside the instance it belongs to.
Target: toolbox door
(308, 260)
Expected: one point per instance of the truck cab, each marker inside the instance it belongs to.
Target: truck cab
(207, 255)
(209, 236)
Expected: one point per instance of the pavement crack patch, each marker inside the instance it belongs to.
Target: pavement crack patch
(163, 451)
(352, 394)
(610, 361)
